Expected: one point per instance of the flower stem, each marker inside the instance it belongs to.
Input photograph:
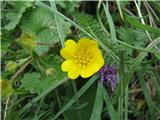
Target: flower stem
(75, 92)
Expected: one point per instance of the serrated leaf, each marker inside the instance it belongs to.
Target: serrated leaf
(14, 17)
(138, 39)
(92, 26)
(41, 23)
(69, 5)
(31, 81)
(37, 83)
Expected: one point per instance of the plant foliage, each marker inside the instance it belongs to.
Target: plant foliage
(33, 85)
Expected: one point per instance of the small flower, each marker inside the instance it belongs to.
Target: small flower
(83, 58)
(108, 76)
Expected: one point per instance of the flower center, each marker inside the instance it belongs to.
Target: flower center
(83, 58)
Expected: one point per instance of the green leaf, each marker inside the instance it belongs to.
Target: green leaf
(119, 8)
(41, 23)
(147, 96)
(111, 23)
(69, 5)
(74, 98)
(37, 83)
(31, 82)
(58, 23)
(98, 104)
(137, 24)
(89, 24)
(126, 103)
(138, 39)
(43, 94)
(83, 30)
(156, 55)
(111, 110)
(87, 101)
(92, 26)
(82, 109)
(135, 65)
(155, 81)
(6, 41)
(18, 9)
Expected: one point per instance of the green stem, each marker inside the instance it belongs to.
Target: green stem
(21, 69)
(59, 102)
(75, 92)
(137, 48)
(126, 103)
(6, 108)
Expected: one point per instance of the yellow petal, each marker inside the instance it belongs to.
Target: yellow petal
(95, 65)
(97, 57)
(89, 70)
(87, 43)
(72, 68)
(69, 50)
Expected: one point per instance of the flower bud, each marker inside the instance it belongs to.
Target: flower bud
(27, 41)
(11, 66)
(50, 71)
(6, 88)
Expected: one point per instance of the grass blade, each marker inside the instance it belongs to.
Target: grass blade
(156, 83)
(126, 104)
(109, 105)
(147, 96)
(119, 8)
(137, 24)
(98, 104)
(136, 63)
(110, 21)
(74, 98)
(58, 24)
(27, 106)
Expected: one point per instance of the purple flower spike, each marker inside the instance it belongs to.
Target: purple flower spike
(108, 76)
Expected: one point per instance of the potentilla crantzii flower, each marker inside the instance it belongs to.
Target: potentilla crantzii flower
(109, 76)
(83, 58)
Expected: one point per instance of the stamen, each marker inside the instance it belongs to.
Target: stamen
(83, 58)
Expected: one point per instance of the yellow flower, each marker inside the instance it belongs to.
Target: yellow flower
(83, 58)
